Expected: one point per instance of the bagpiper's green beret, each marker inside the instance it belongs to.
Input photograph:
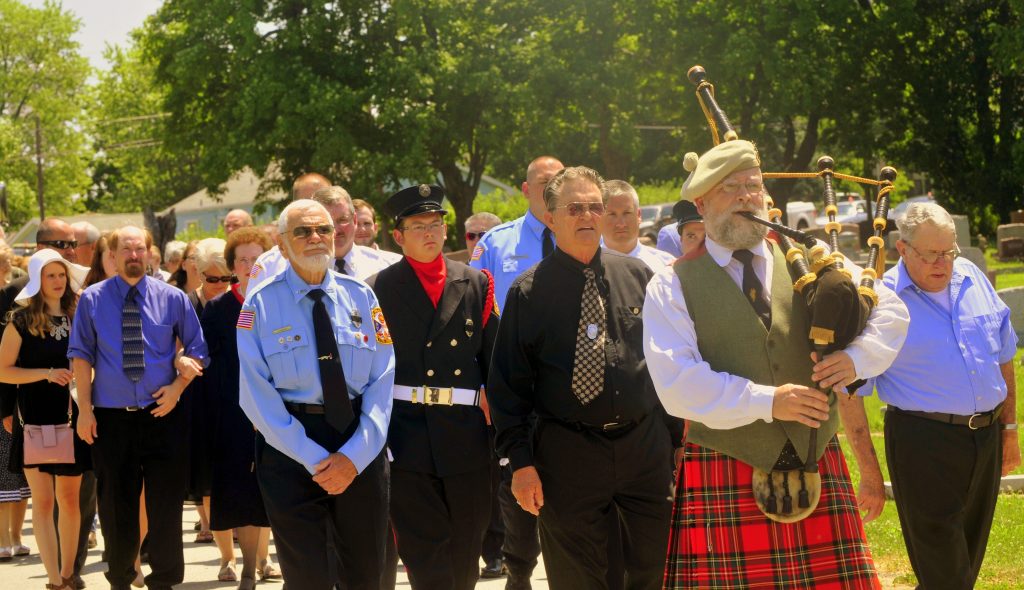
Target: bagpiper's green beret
(717, 163)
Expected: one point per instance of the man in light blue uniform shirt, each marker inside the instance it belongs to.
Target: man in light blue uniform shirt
(507, 251)
(310, 470)
(668, 240)
(950, 426)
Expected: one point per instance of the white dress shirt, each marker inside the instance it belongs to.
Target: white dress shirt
(652, 257)
(689, 388)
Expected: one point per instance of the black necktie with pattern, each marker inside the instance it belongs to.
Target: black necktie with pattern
(132, 352)
(337, 406)
(752, 287)
(588, 368)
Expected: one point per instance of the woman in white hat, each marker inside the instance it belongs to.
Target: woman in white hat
(33, 355)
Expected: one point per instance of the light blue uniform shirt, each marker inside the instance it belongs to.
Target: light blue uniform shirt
(668, 240)
(950, 360)
(506, 251)
(278, 359)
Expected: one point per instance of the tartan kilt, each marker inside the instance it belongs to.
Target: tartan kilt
(720, 539)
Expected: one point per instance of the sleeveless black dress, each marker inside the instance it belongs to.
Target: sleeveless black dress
(43, 402)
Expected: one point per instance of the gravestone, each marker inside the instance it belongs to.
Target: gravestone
(1010, 248)
(976, 256)
(1014, 299)
(963, 231)
(1009, 230)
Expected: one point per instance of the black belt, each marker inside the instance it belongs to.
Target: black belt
(973, 421)
(304, 408)
(126, 409)
(608, 428)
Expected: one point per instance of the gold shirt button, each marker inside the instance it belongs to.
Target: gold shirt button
(430, 372)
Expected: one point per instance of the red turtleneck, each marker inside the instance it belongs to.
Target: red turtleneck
(431, 276)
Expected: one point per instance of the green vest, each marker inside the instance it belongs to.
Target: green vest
(732, 339)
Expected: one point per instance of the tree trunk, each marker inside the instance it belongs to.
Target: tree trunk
(461, 193)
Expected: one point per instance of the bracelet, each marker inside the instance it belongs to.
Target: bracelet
(1008, 426)
(48, 373)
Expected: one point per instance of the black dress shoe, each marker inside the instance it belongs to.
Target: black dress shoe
(78, 582)
(495, 568)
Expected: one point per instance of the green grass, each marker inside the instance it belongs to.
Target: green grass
(1003, 567)
(996, 264)
(1007, 280)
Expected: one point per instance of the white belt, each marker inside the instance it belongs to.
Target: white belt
(437, 396)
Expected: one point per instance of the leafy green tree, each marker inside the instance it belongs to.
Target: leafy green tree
(41, 79)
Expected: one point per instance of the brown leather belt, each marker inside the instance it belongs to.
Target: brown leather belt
(973, 421)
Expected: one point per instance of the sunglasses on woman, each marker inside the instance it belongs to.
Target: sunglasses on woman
(215, 280)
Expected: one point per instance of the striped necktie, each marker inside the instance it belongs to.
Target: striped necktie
(131, 338)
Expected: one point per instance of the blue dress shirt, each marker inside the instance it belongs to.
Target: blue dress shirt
(506, 251)
(167, 315)
(950, 362)
(668, 240)
(278, 362)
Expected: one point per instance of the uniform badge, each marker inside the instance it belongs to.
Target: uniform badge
(592, 331)
(246, 319)
(424, 190)
(478, 251)
(357, 320)
(256, 270)
(380, 326)
(469, 327)
(635, 310)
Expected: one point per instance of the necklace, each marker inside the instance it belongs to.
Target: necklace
(60, 331)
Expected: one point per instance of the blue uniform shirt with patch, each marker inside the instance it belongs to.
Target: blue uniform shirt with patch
(278, 360)
(506, 251)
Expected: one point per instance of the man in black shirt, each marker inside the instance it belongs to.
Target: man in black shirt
(569, 348)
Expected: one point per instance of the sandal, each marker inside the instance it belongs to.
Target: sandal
(204, 537)
(20, 550)
(139, 581)
(268, 572)
(5, 554)
(227, 573)
(247, 583)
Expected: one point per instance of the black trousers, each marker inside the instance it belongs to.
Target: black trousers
(584, 476)
(495, 535)
(946, 481)
(440, 524)
(303, 516)
(522, 545)
(135, 448)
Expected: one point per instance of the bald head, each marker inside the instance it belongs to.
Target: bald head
(54, 233)
(538, 173)
(235, 219)
(307, 184)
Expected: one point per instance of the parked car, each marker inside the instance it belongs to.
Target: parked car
(801, 215)
(653, 218)
(900, 211)
(849, 213)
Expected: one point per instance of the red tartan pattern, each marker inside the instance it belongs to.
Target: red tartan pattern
(720, 540)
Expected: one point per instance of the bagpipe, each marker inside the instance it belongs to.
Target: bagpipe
(837, 308)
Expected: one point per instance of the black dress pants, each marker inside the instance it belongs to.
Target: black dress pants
(495, 535)
(585, 475)
(303, 516)
(945, 479)
(440, 523)
(133, 448)
(521, 547)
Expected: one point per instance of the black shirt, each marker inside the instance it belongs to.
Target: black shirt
(534, 354)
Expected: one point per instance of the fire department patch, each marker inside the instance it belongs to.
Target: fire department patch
(380, 326)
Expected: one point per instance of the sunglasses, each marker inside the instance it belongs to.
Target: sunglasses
(472, 235)
(60, 244)
(579, 208)
(303, 232)
(215, 280)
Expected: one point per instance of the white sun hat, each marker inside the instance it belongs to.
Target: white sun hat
(39, 260)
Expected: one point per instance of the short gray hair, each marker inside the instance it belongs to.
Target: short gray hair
(484, 217)
(921, 213)
(210, 252)
(333, 195)
(613, 188)
(92, 233)
(304, 204)
(554, 188)
(174, 250)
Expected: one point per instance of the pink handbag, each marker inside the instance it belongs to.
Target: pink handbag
(47, 444)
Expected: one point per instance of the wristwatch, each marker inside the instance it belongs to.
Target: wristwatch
(1008, 426)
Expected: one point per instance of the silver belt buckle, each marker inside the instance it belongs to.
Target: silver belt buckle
(132, 409)
(970, 421)
(608, 425)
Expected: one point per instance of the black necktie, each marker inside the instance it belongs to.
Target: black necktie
(588, 366)
(337, 406)
(339, 265)
(752, 287)
(547, 245)
(132, 353)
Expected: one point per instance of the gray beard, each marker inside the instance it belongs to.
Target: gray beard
(736, 233)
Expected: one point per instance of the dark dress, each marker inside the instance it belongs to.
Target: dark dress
(43, 402)
(235, 498)
(199, 424)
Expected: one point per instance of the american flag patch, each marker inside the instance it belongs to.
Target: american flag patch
(256, 270)
(246, 319)
(478, 251)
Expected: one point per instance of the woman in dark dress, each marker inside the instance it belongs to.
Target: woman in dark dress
(33, 355)
(235, 500)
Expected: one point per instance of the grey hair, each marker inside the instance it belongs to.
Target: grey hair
(210, 252)
(614, 188)
(333, 195)
(174, 250)
(554, 188)
(484, 217)
(304, 204)
(920, 213)
(92, 233)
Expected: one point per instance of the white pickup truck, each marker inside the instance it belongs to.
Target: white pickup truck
(801, 215)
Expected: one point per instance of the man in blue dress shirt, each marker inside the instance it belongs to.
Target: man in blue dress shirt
(127, 328)
(322, 409)
(506, 251)
(950, 427)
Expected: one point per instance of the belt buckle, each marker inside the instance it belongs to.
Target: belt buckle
(132, 409)
(437, 396)
(609, 425)
(970, 421)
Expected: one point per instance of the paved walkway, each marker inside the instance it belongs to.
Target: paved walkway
(201, 565)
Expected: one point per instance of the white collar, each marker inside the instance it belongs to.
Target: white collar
(722, 255)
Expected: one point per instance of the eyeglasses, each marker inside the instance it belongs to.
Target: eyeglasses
(578, 209)
(932, 256)
(59, 244)
(419, 228)
(732, 187)
(472, 235)
(303, 232)
(215, 280)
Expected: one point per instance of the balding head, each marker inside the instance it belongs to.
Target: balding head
(56, 234)
(87, 235)
(235, 219)
(307, 184)
(538, 173)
